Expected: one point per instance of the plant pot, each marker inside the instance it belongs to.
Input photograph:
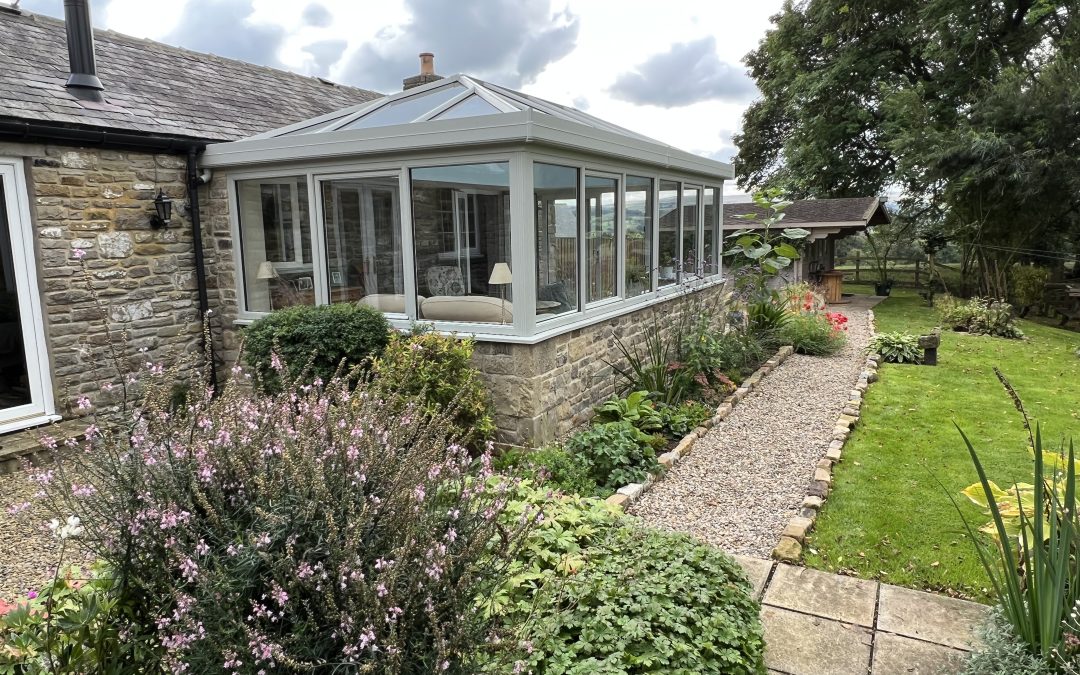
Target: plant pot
(667, 272)
(883, 288)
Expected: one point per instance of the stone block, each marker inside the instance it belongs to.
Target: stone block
(846, 420)
(668, 459)
(871, 376)
(722, 411)
(823, 594)
(811, 645)
(632, 491)
(818, 489)
(757, 571)
(812, 502)
(898, 655)
(787, 550)
(834, 451)
(928, 616)
(825, 463)
(850, 411)
(797, 528)
(618, 500)
(822, 476)
(684, 446)
(840, 433)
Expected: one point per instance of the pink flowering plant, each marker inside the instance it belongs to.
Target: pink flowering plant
(332, 527)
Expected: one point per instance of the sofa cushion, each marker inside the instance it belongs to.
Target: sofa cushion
(473, 308)
(388, 302)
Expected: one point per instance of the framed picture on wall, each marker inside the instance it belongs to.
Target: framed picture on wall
(304, 283)
(336, 279)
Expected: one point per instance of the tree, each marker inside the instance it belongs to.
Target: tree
(970, 109)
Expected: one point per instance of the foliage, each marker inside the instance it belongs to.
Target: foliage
(970, 109)
(1027, 285)
(1034, 569)
(814, 334)
(759, 250)
(999, 652)
(896, 347)
(330, 527)
(707, 352)
(647, 602)
(550, 466)
(980, 316)
(677, 421)
(636, 409)
(88, 632)
(655, 370)
(616, 453)
(767, 318)
(313, 340)
(438, 369)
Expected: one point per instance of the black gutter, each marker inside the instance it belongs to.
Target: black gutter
(34, 132)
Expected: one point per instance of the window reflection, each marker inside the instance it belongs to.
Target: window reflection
(556, 199)
(638, 225)
(275, 234)
(601, 196)
(691, 246)
(669, 231)
(710, 248)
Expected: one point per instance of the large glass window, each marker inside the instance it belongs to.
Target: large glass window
(669, 231)
(363, 241)
(638, 225)
(461, 235)
(602, 197)
(275, 233)
(691, 245)
(710, 248)
(555, 194)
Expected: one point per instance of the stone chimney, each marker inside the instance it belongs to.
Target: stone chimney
(427, 73)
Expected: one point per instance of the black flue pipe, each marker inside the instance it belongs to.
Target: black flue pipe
(82, 81)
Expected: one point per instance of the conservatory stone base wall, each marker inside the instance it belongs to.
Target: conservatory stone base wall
(543, 391)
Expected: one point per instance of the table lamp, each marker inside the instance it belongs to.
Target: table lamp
(267, 272)
(500, 276)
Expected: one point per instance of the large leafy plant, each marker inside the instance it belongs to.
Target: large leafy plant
(758, 254)
(653, 369)
(896, 347)
(1033, 565)
(636, 409)
(617, 453)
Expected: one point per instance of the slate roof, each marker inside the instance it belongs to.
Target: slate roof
(810, 212)
(154, 88)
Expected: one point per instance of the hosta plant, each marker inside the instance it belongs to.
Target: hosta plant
(636, 409)
(896, 347)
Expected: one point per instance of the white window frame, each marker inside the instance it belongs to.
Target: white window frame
(586, 215)
(42, 406)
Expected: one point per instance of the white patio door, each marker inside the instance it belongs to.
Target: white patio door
(25, 390)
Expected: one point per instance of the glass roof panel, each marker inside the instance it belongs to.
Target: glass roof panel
(469, 107)
(406, 109)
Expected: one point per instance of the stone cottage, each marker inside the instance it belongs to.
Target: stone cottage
(544, 232)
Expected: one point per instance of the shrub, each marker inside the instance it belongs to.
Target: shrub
(896, 347)
(999, 652)
(330, 528)
(980, 316)
(552, 467)
(677, 421)
(656, 370)
(313, 340)
(814, 334)
(438, 368)
(1028, 285)
(635, 409)
(706, 352)
(616, 453)
(647, 602)
(767, 318)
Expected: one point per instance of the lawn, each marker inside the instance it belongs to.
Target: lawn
(889, 516)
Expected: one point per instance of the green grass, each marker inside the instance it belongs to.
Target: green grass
(889, 517)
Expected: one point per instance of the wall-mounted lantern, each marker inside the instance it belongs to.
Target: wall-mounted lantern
(162, 211)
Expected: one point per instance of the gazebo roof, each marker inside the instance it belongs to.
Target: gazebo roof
(454, 111)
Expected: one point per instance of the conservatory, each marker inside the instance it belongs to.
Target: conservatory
(468, 207)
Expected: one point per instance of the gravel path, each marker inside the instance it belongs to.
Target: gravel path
(28, 551)
(748, 476)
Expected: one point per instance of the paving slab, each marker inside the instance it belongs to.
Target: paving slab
(800, 644)
(757, 570)
(930, 617)
(898, 655)
(828, 595)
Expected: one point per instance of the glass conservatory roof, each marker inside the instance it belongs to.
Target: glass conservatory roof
(450, 98)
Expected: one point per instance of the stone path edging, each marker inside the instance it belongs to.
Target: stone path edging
(789, 548)
(628, 494)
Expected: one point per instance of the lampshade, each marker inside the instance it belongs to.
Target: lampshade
(266, 270)
(500, 274)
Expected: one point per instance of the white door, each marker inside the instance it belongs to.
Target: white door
(25, 390)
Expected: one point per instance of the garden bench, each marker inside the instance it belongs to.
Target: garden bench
(1064, 299)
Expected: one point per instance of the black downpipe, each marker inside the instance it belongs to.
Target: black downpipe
(194, 182)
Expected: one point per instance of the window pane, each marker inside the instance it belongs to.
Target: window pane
(363, 242)
(639, 208)
(470, 107)
(461, 235)
(691, 247)
(710, 250)
(275, 243)
(601, 195)
(555, 193)
(406, 109)
(669, 231)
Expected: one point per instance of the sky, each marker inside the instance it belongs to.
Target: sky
(671, 70)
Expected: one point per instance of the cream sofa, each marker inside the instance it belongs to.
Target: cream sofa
(393, 303)
(471, 308)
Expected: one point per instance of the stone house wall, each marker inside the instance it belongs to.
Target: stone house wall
(100, 201)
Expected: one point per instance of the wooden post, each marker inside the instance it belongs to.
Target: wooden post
(858, 257)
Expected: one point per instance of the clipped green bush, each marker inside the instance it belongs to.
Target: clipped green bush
(438, 368)
(813, 334)
(1027, 285)
(646, 601)
(896, 347)
(677, 421)
(617, 453)
(313, 340)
